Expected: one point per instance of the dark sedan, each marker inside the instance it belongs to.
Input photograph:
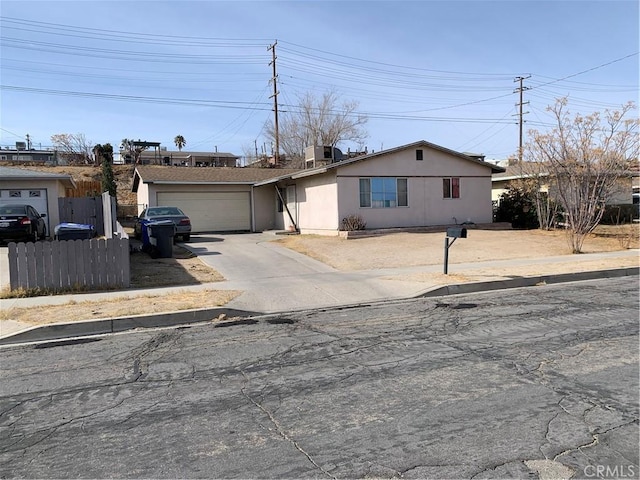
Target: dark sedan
(156, 214)
(21, 222)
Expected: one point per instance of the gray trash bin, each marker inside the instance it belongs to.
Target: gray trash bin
(161, 235)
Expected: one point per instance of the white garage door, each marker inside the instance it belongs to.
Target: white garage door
(36, 197)
(212, 211)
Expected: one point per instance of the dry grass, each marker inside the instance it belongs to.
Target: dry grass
(119, 307)
(182, 270)
(415, 249)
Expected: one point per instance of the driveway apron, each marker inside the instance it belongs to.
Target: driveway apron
(275, 279)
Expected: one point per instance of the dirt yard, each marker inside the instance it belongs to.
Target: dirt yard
(386, 251)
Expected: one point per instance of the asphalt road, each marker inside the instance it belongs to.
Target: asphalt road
(514, 384)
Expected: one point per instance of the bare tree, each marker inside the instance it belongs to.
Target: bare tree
(73, 147)
(534, 182)
(317, 121)
(585, 158)
(128, 148)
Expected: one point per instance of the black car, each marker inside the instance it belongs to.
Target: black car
(159, 214)
(21, 222)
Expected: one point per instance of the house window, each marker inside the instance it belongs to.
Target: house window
(383, 192)
(451, 187)
(419, 154)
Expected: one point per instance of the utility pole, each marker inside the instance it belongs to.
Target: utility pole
(275, 101)
(520, 90)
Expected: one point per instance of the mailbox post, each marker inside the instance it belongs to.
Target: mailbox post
(453, 233)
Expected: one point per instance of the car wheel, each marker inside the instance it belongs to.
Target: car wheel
(34, 236)
(185, 238)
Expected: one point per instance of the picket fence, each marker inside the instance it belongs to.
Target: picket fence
(70, 264)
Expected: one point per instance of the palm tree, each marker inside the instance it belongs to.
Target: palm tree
(180, 142)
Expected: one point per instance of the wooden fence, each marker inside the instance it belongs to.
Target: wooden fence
(70, 264)
(85, 188)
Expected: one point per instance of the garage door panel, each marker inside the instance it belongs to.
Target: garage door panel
(212, 211)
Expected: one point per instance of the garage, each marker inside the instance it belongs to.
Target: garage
(36, 197)
(212, 211)
(216, 199)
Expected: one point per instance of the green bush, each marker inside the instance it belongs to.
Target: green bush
(517, 208)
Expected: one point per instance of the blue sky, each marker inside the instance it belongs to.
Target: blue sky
(441, 71)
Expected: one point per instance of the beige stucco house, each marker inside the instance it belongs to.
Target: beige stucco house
(419, 184)
(501, 182)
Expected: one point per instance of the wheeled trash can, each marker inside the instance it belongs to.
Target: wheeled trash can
(161, 235)
(74, 231)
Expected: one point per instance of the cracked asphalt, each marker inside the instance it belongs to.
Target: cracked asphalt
(527, 383)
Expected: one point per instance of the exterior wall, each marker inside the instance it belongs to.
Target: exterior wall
(265, 209)
(143, 196)
(317, 204)
(424, 184)
(54, 188)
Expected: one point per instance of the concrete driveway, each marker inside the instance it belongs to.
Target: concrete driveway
(252, 257)
(275, 278)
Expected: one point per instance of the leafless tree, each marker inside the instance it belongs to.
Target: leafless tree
(317, 121)
(73, 147)
(533, 180)
(128, 148)
(585, 158)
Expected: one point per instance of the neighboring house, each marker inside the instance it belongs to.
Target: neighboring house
(419, 184)
(39, 189)
(23, 155)
(188, 159)
(500, 182)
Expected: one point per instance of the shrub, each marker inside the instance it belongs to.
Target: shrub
(517, 208)
(352, 222)
(619, 214)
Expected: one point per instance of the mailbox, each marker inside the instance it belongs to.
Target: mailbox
(456, 232)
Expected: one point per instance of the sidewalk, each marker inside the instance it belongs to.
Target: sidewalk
(312, 284)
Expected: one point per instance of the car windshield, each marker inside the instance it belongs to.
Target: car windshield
(13, 210)
(160, 212)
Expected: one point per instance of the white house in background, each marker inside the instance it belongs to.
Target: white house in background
(414, 185)
(38, 189)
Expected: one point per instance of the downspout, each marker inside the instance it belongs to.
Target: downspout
(284, 204)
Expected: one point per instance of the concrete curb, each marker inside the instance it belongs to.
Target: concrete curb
(520, 282)
(59, 331)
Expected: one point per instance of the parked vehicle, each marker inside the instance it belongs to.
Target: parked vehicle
(21, 222)
(155, 214)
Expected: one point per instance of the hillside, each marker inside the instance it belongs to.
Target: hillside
(123, 175)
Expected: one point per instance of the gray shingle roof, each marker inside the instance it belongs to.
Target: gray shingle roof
(206, 175)
(8, 173)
